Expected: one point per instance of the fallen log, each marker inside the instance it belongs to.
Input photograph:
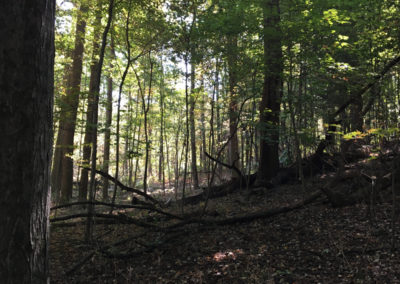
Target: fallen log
(219, 190)
(368, 188)
(121, 218)
(268, 213)
(249, 217)
(145, 206)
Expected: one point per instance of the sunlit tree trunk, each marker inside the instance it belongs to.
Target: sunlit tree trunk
(69, 109)
(107, 133)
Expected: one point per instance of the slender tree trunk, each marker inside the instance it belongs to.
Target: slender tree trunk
(107, 133)
(128, 144)
(203, 128)
(168, 160)
(214, 105)
(91, 107)
(92, 192)
(161, 171)
(137, 158)
(56, 169)
(70, 108)
(128, 47)
(233, 109)
(271, 96)
(176, 165)
(149, 160)
(192, 103)
(145, 109)
(186, 143)
(26, 120)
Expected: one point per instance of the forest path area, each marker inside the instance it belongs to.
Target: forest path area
(316, 243)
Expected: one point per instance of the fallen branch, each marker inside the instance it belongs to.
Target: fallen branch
(124, 187)
(120, 206)
(218, 190)
(250, 217)
(268, 213)
(123, 219)
(231, 167)
(146, 206)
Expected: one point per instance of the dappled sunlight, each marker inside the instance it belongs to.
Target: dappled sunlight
(226, 255)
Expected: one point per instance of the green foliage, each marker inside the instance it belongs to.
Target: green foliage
(331, 49)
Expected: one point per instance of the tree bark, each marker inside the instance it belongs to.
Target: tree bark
(26, 100)
(59, 150)
(90, 125)
(70, 103)
(107, 133)
(271, 96)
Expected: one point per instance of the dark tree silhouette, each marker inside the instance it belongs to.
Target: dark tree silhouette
(26, 100)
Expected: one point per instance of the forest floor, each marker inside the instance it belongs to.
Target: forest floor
(312, 244)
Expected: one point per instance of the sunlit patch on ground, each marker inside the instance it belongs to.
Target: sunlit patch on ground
(227, 255)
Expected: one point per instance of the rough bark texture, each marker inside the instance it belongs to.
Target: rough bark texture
(71, 102)
(26, 100)
(271, 97)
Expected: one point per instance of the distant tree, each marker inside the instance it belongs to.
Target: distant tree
(26, 101)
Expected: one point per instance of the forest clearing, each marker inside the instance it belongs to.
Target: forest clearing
(200, 141)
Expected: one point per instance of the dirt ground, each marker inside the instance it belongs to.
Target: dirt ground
(313, 244)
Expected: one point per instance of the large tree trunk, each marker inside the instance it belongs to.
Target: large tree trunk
(70, 107)
(59, 150)
(26, 100)
(90, 125)
(271, 96)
